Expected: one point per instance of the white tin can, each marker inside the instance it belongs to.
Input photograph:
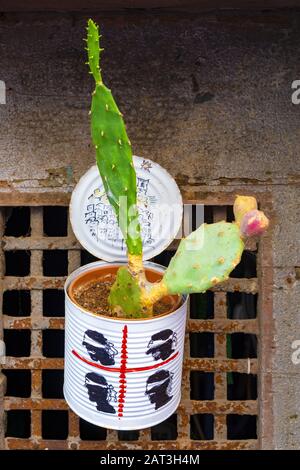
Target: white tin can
(120, 373)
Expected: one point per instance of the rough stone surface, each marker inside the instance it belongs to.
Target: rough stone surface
(198, 5)
(207, 96)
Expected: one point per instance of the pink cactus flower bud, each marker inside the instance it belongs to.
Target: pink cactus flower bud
(254, 223)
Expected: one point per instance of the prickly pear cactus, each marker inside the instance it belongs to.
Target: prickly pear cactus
(125, 295)
(205, 258)
(113, 150)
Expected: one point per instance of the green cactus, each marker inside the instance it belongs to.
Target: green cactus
(205, 258)
(125, 295)
(113, 150)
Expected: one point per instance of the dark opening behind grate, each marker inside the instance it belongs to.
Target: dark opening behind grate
(17, 342)
(55, 262)
(90, 432)
(247, 266)
(241, 427)
(18, 423)
(202, 385)
(18, 383)
(202, 344)
(52, 383)
(53, 343)
(202, 306)
(165, 431)
(17, 303)
(241, 346)
(241, 305)
(53, 303)
(164, 258)
(128, 435)
(208, 214)
(17, 263)
(55, 424)
(17, 222)
(230, 214)
(55, 221)
(241, 386)
(202, 427)
(86, 258)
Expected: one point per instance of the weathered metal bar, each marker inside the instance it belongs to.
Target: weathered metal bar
(36, 384)
(221, 406)
(191, 195)
(36, 269)
(267, 334)
(145, 435)
(2, 377)
(15, 198)
(15, 443)
(36, 344)
(223, 365)
(36, 222)
(183, 414)
(73, 260)
(28, 323)
(213, 326)
(33, 363)
(223, 326)
(193, 406)
(112, 436)
(73, 425)
(36, 425)
(208, 364)
(40, 243)
(220, 339)
(220, 427)
(33, 282)
(249, 286)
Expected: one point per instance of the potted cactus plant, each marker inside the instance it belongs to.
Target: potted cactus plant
(125, 322)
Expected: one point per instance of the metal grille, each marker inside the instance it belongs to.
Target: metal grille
(219, 407)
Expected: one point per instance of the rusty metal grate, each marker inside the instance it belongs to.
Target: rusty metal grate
(219, 407)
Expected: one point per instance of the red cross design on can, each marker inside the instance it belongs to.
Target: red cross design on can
(166, 338)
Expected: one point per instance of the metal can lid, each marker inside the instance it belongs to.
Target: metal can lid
(95, 224)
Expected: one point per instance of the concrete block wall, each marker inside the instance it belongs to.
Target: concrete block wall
(208, 96)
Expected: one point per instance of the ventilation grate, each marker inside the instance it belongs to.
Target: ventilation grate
(219, 407)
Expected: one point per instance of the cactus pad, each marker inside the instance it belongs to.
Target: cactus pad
(205, 258)
(113, 150)
(125, 295)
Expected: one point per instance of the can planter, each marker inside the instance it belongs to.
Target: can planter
(122, 373)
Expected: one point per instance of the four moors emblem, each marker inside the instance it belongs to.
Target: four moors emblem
(160, 348)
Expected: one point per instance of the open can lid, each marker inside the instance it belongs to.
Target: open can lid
(160, 209)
